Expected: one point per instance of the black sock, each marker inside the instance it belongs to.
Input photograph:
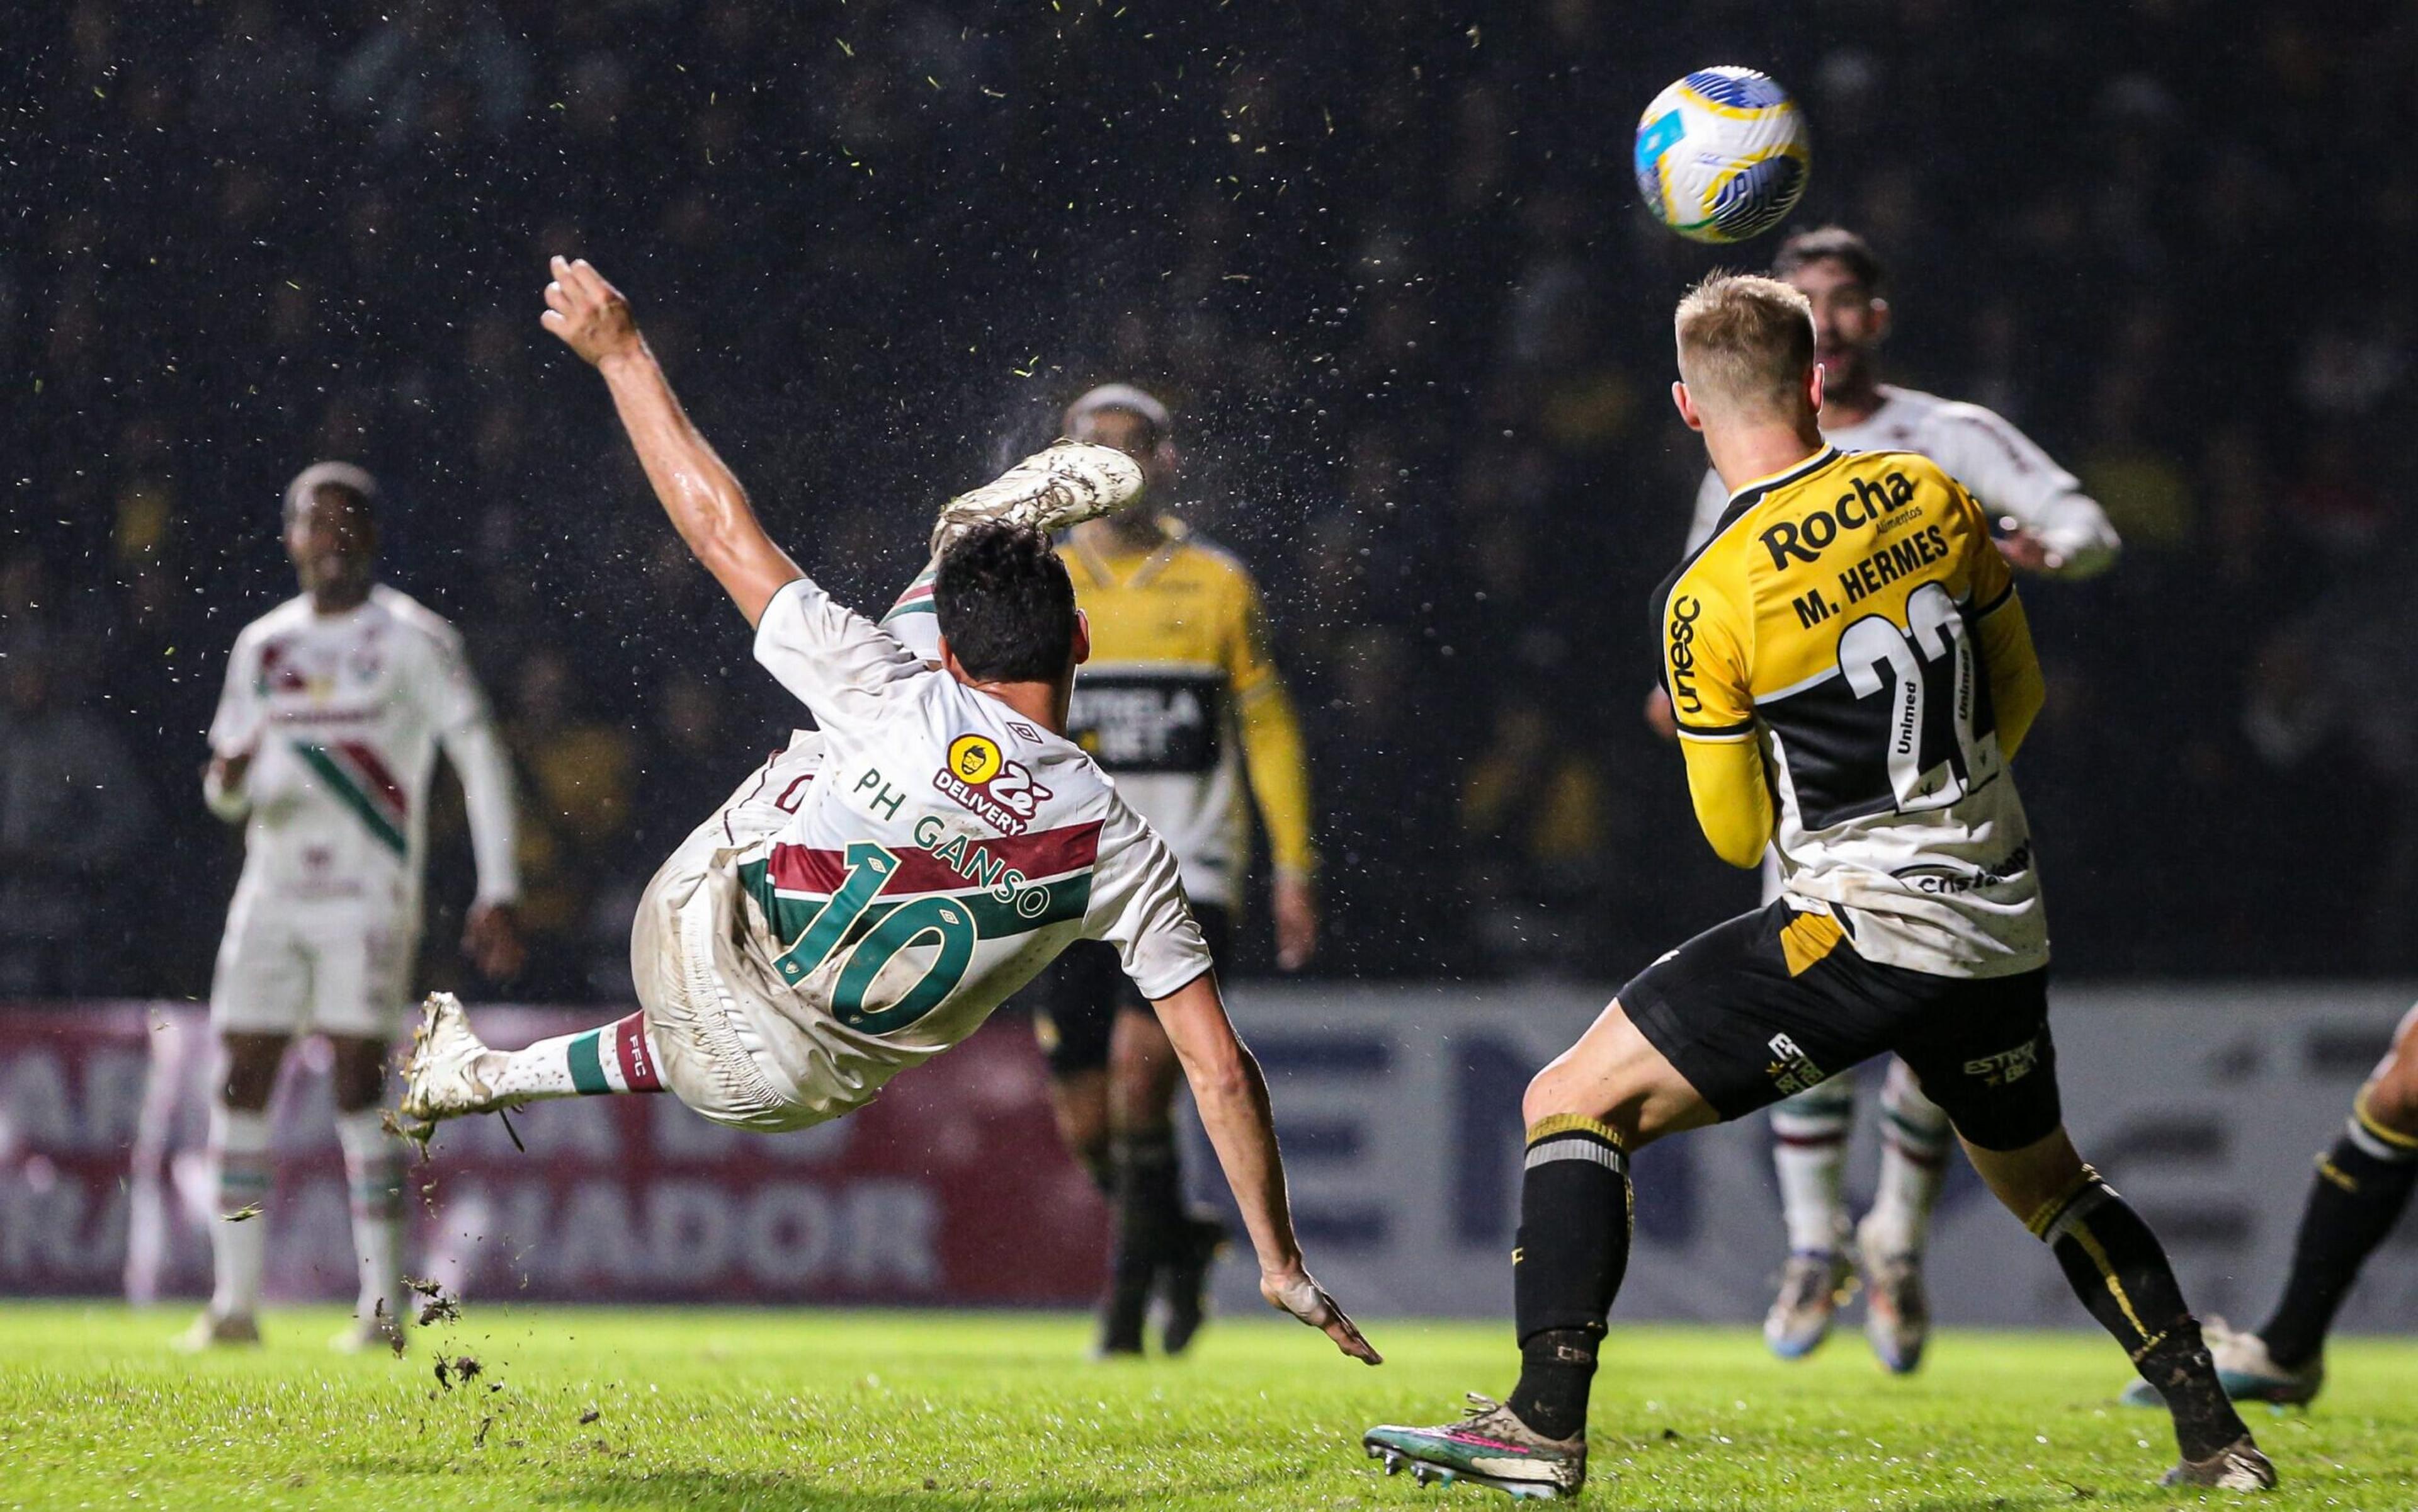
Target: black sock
(1101, 1167)
(1150, 1202)
(2362, 1189)
(2116, 1267)
(1574, 1218)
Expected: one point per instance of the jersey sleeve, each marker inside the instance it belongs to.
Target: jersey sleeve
(1711, 499)
(840, 664)
(1138, 906)
(236, 727)
(914, 620)
(1704, 663)
(1273, 753)
(2010, 473)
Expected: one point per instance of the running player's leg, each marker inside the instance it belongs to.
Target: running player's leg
(1153, 1218)
(1809, 1151)
(2361, 1190)
(1915, 1140)
(259, 992)
(240, 1162)
(1076, 1017)
(1990, 1060)
(363, 969)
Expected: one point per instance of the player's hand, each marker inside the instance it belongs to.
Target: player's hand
(1303, 1297)
(229, 771)
(1658, 715)
(1296, 910)
(492, 938)
(2027, 551)
(588, 313)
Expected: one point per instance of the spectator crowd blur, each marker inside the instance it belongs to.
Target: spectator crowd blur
(1386, 264)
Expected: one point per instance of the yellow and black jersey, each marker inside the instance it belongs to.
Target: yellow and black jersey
(1181, 702)
(1850, 670)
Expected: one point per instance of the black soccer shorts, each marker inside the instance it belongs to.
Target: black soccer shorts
(1076, 998)
(1773, 1003)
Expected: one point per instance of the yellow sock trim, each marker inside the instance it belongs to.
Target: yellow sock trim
(2046, 1213)
(1545, 1128)
(2367, 1120)
(2089, 1242)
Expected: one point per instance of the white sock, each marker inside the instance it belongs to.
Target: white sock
(374, 1177)
(239, 1162)
(613, 1057)
(1915, 1136)
(1811, 1155)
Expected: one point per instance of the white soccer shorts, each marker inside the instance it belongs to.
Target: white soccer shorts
(292, 966)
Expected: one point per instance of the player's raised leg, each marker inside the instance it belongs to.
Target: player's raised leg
(1915, 1141)
(454, 1074)
(1607, 1096)
(1809, 1152)
(2118, 1271)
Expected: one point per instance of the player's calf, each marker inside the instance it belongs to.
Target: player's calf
(2121, 1274)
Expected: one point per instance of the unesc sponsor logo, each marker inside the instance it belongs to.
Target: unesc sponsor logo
(1685, 611)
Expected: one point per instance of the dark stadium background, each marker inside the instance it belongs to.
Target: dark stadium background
(1387, 262)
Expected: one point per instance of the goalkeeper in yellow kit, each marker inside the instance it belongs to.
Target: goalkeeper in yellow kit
(1181, 703)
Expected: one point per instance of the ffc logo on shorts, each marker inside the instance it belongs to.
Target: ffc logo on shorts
(2006, 1065)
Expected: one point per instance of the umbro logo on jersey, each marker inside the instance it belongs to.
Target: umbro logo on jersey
(1808, 538)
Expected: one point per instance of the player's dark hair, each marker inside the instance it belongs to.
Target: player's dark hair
(1832, 244)
(1007, 605)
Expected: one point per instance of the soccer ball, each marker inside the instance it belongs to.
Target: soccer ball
(1722, 155)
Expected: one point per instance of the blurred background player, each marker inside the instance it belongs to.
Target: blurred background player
(324, 742)
(2361, 1190)
(1183, 706)
(2047, 524)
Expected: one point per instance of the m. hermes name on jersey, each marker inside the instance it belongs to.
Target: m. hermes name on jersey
(1831, 617)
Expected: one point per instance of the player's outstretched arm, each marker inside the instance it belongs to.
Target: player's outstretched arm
(704, 500)
(1232, 1100)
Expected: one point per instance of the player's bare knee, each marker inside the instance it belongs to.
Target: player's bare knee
(359, 1074)
(251, 1063)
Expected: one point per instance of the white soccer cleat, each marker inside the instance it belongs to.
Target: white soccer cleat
(1811, 1286)
(379, 1331)
(2246, 1371)
(211, 1330)
(1897, 1314)
(2237, 1467)
(1063, 484)
(443, 1081)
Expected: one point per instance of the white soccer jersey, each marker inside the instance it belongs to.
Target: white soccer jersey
(342, 715)
(937, 852)
(2004, 469)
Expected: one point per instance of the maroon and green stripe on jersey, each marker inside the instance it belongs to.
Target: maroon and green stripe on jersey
(794, 881)
(359, 779)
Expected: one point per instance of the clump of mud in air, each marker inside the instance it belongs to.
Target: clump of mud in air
(436, 1306)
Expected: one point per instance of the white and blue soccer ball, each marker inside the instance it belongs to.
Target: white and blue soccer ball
(1722, 155)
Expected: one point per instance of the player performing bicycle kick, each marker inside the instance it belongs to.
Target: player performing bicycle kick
(867, 898)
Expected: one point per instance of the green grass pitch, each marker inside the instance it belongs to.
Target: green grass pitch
(720, 1409)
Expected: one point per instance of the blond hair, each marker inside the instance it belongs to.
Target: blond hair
(1745, 342)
